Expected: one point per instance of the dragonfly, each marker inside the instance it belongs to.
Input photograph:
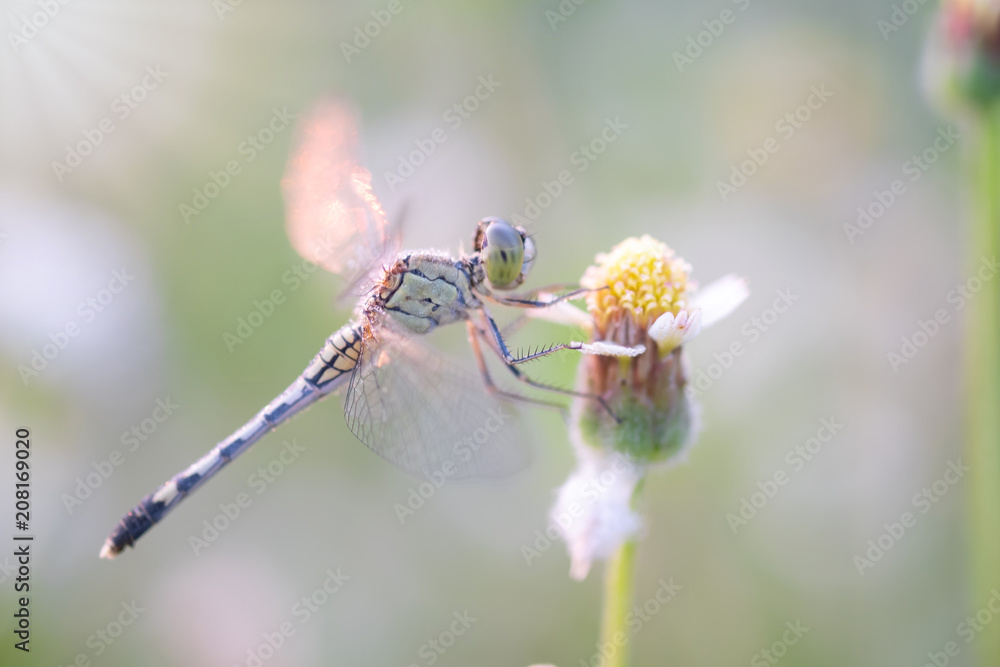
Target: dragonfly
(406, 402)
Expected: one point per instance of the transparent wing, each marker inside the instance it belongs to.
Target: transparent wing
(428, 416)
(331, 214)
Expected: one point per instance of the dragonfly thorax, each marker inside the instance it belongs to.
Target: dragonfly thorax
(423, 290)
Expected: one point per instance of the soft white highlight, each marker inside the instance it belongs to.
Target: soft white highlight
(593, 510)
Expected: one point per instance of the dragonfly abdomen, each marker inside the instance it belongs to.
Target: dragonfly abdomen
(329, 369)
(337, 359)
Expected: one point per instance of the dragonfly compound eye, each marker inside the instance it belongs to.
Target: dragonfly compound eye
(503, 255)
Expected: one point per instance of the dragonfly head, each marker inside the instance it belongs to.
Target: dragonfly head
(506, 252)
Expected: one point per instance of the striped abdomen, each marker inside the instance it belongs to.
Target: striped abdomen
(325, 374)
(337, 359)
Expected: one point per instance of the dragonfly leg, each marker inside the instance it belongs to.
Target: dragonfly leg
(519, 302)
(499, 347)
(526, 304)
(512, 360)
(491, 386)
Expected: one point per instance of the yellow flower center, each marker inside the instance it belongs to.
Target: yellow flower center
(644, 280)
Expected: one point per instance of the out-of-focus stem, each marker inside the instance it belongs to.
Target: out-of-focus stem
(619, 575)
(983, 387)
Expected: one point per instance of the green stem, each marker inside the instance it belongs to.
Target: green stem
(983, 388)
(619, 574)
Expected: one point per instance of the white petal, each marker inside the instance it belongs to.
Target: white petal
(694, 324)
(662, 327)
(605, 349)
(721, 298)
(670, 332)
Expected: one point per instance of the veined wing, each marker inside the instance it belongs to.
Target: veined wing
(428, 416)
(331, 214)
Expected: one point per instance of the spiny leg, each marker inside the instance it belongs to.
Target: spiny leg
(498, 346)
(491, 386)
(600, 348)
(509, 359)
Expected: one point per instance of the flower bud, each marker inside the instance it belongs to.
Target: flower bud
(644, 304)
(962, 61)
(642, 309)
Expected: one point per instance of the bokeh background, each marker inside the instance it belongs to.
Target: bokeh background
(224, 67)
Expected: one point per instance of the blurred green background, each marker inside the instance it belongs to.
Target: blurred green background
(223, 69)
